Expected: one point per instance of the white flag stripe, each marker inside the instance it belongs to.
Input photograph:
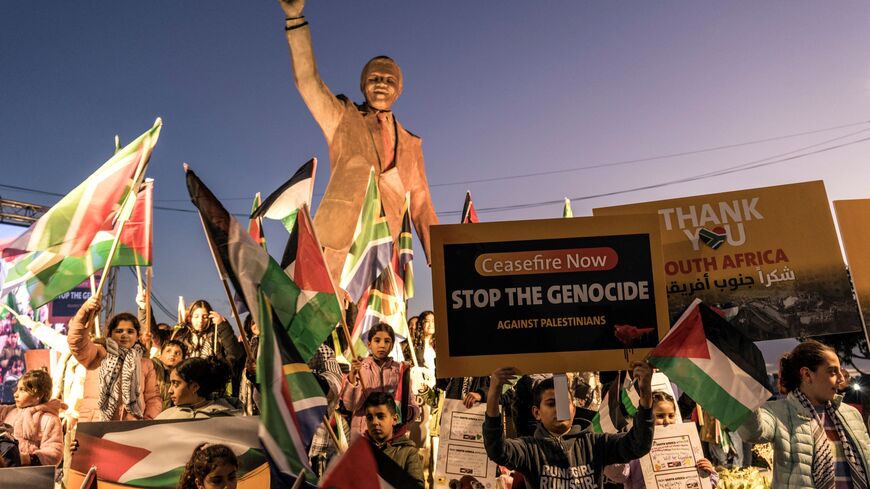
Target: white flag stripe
(240, 436)
(742, 387)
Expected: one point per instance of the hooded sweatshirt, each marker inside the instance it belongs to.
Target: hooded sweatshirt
(37, 429)
(574, 460)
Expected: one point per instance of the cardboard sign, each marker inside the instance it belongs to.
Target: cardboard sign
(534, 294)
(768, 257)
(670, 463)
(853, 218)
(461, 455)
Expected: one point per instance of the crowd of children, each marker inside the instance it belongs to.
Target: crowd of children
(198, 369)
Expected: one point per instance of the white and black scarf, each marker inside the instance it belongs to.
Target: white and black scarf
(823, 459)
(120, 365)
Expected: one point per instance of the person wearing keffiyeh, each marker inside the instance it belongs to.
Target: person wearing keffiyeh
(121, 383)
(818, 441)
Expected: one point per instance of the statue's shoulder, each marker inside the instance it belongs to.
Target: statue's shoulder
(347, 102)
(408, 133)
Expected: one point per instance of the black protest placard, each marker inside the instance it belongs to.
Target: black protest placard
(547, 296)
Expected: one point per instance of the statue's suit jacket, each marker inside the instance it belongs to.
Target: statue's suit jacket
(356, 147)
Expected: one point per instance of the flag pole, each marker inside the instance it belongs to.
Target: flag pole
(98, 332)
(138, 178)
(223, 277)
(299, 479)
(138, 278)
(344, 328)
(332, 434)
(149, 275)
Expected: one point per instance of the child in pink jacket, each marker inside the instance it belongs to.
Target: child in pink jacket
(378, 372)
(34, 420)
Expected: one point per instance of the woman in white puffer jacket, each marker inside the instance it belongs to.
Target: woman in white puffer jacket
(818, 441)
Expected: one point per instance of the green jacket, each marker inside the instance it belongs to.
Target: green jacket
(787, 424)
(403, 452)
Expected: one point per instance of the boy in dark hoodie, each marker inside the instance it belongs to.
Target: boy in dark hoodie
(560, 455)
(381, 418)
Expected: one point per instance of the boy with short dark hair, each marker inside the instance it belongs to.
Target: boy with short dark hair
(172, 352)
(381, 418)
(560, 454)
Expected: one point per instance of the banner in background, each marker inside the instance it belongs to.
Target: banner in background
(767, 257)
(853, 219)
(534, 294)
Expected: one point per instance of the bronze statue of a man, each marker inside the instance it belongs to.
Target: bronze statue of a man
(359, 137)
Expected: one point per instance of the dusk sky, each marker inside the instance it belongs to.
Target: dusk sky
(495, 89)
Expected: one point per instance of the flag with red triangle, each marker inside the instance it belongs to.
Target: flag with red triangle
(469, 215)
(715, 364)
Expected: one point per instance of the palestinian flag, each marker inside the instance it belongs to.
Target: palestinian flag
(404, 266)
(292, 402)
(69, 227)
(46, 275)
(255, 224)
(469, 215)
(372, 246)
(364, 467)
(714, 364)
(628, 395)
(284, 203)
(566, 210)
(317, 308)
(609, 418)
(152, 454)
(382, 303)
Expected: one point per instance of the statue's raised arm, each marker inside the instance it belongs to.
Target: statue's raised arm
(323, 105)
(361, 138)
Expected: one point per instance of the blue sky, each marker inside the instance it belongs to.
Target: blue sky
(495, 89)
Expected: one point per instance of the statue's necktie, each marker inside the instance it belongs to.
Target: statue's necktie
(383, 122)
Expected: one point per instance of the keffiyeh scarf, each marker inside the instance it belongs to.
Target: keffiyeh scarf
(823, 458)
(120, 365)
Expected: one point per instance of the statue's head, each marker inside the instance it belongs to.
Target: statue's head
(381, 82)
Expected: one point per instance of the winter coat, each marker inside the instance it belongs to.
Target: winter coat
(37, 429)
(211, 409)
(401, 450)
(787, 424)
(385, 378)
(91, 356)
(575, 459)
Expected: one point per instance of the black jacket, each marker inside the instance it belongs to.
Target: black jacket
(573, 460)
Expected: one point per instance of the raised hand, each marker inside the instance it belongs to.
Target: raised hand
(292, 8)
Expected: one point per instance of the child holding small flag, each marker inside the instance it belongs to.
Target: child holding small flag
(818, 440)
(379, 373)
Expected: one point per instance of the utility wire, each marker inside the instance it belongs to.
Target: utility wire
(748, 165)
(612, 163)
(725, 171)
